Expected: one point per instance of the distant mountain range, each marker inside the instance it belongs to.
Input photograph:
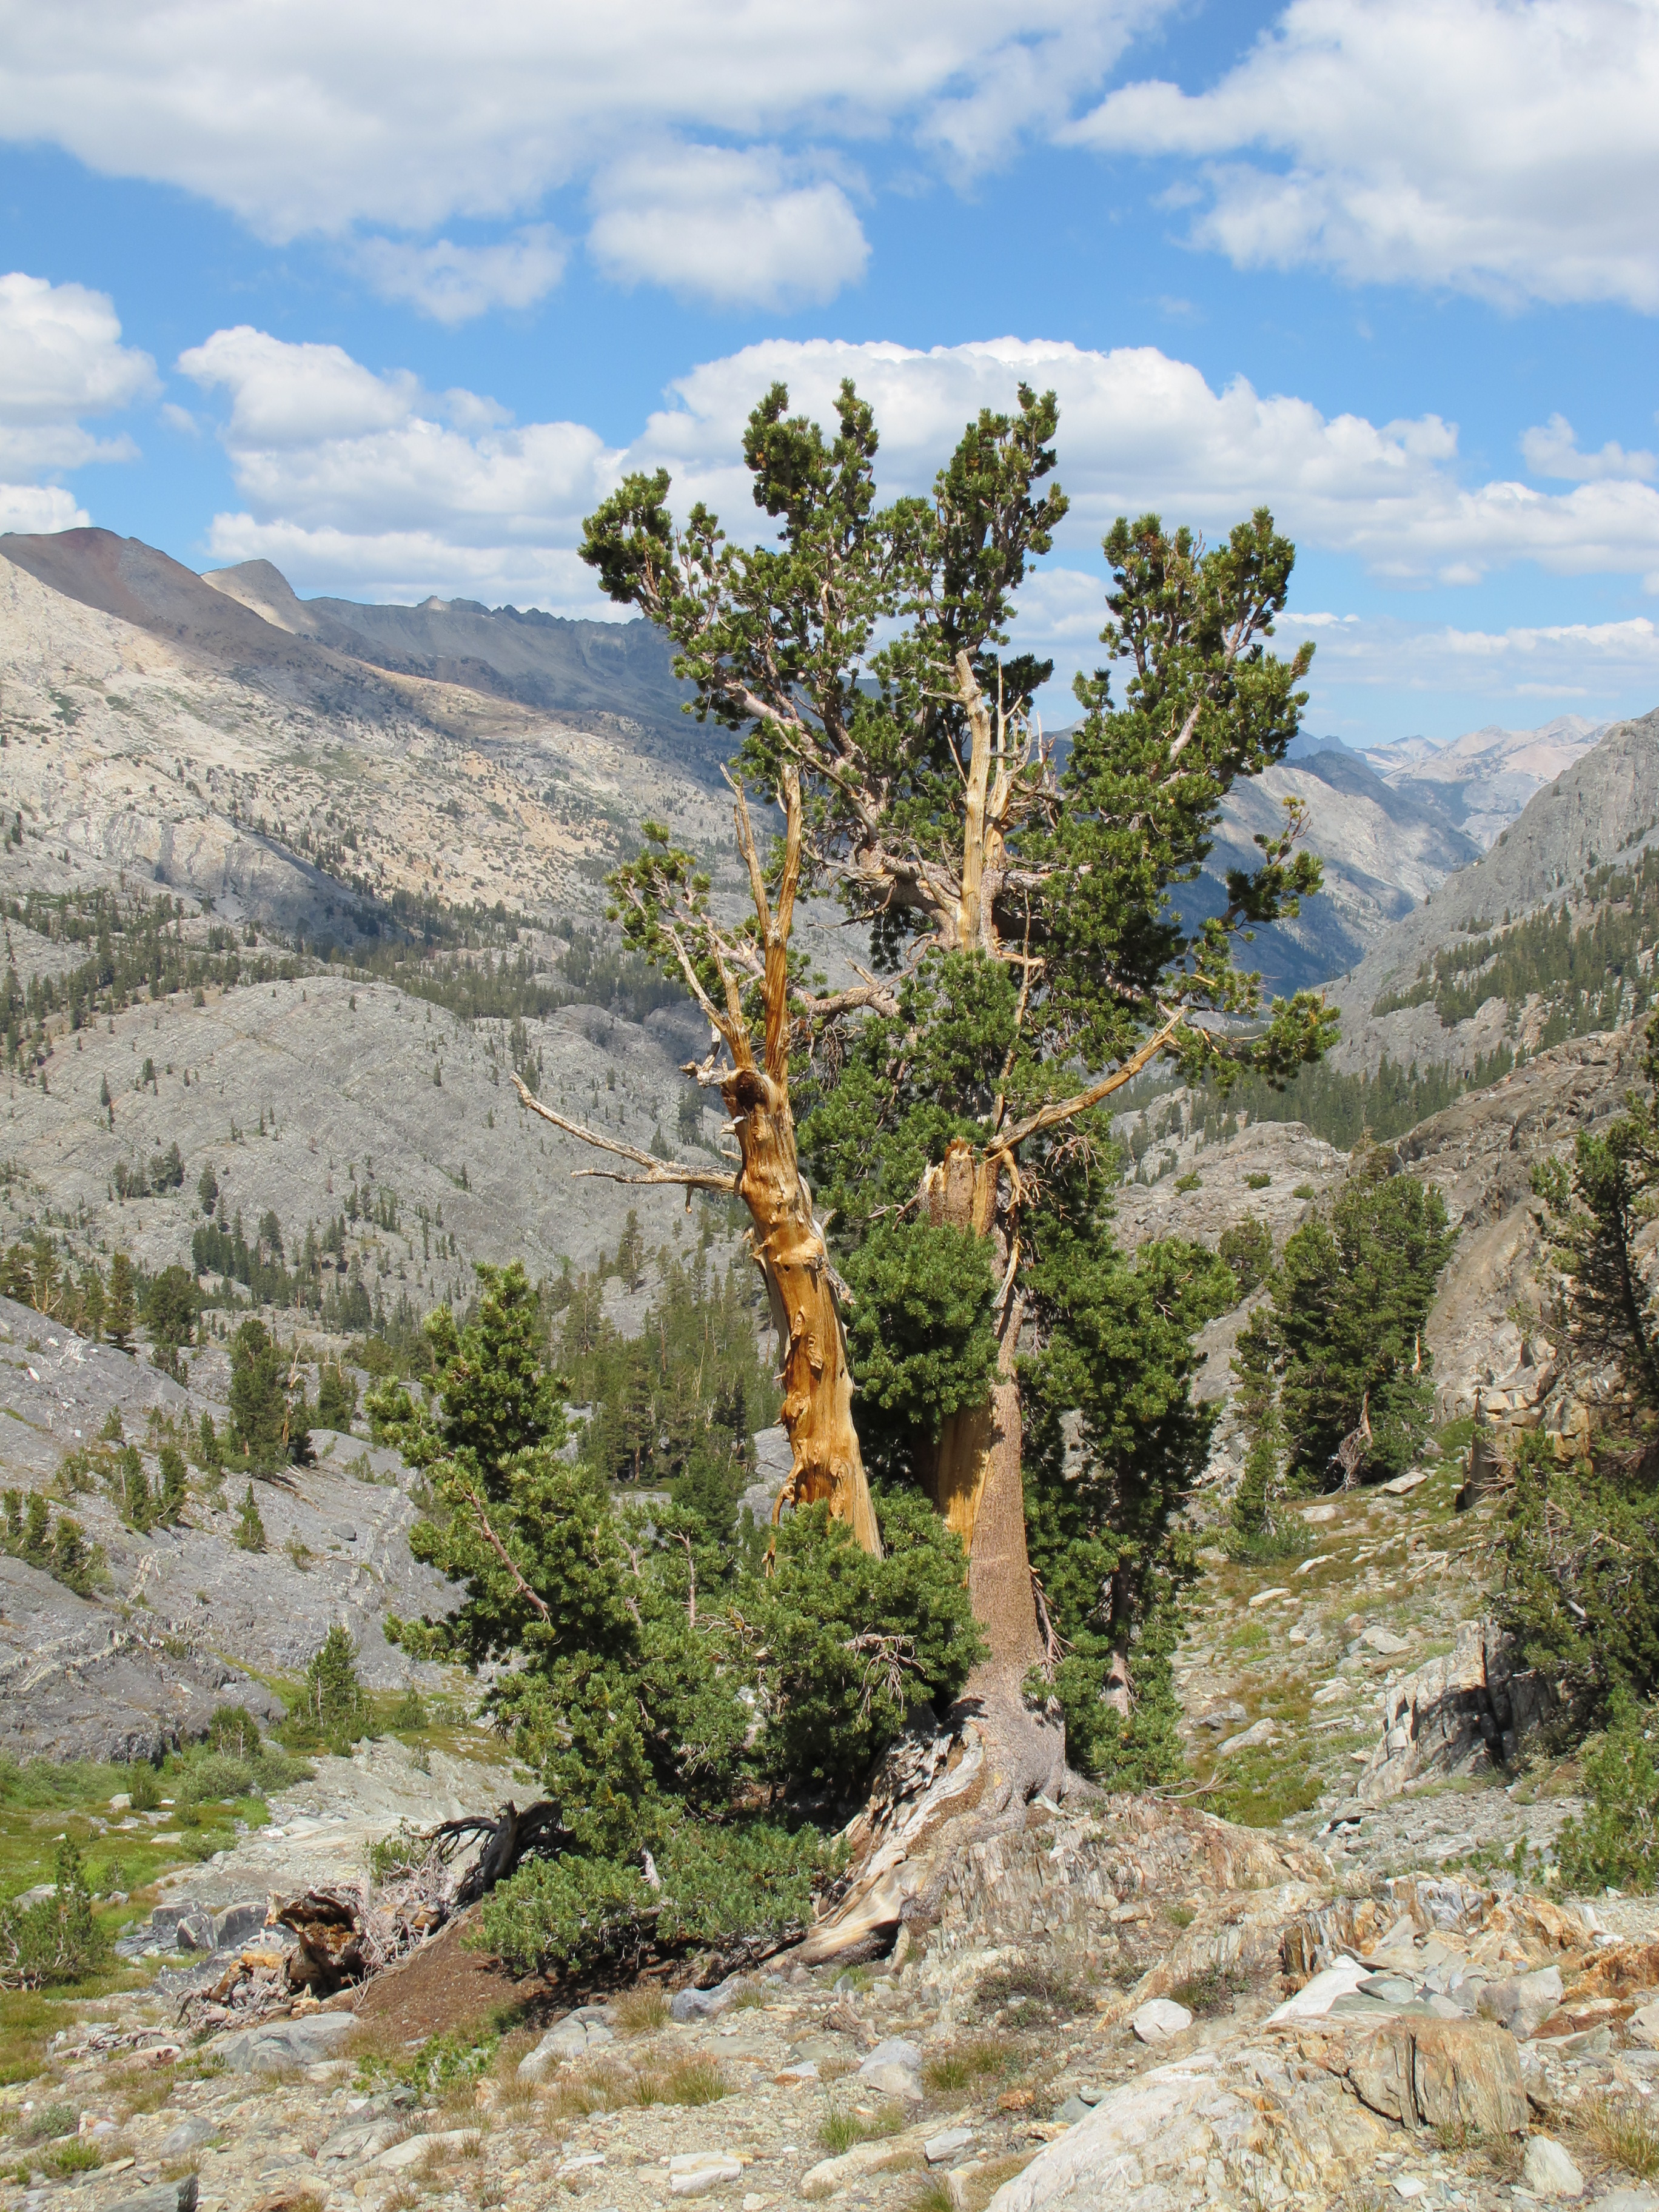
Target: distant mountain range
(1432, 988)
(1483, 778)
(1390, 823)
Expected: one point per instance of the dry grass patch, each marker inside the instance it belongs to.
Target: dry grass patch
(142, 2089)
(688, 2081)
(981, 2057)
(980, 2183)
(841, 2127)
(642, 2010)
(1623, 2133)
(1032, 1990)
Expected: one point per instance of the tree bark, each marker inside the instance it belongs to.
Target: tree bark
(789, 1248)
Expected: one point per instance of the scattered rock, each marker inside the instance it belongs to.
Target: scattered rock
(687, 2005)
(576, 2034)
(1265, 1597)
(1262, 1731)
(1223, 1716)
(694, 2172)
(1160, 2020)
(283, 2042)
(1548, 2172)
(1403, 1485)
(1383, 1641)
(1316, 1515)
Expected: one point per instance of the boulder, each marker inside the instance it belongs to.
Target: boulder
(1548, 2171)
(1314, 2000)
(893, 2068)
(190, 2135)
(283, 2042)
(238, 1922)
(1249, 2126)
(687, 2005)
(1383, 1641)
(1469, 1709)
(1160, 2020)
(1453, 2074)
(940, 2149)
(1522, 2004)
(574, 2036)
(1259, 1732)
(413, 2147)
(1645, 2025)
(888, 2155)
(166, 2197)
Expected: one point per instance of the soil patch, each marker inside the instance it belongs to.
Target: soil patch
(445, 1984)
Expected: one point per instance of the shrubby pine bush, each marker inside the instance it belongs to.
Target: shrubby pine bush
(55, 1939)
(1341, 1328)
(1616, 1844)
(695, 1720)
(1580, 1533)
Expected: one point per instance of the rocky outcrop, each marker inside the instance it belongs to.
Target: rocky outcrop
(1466, 1711)
(75, 1682)
(1480, 1153)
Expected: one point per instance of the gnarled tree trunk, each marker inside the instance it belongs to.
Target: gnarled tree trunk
(789, 1248)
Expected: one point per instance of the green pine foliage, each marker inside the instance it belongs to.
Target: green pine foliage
(1343, 1325)
(1107, 1539)
(1581, 1536)
(682, 1708)
(250, 1528)
(1247, 1249)
(676, 1406)
(1616, 1844)
(267, 1413)
(331, 1710)
(336, 1398)
(57, 1940)
(58, 1549)
(1590, 973)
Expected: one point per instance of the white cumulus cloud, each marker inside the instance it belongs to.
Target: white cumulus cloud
(1140, 429)
(335, 116)
(1552, 450)
(61, 359)
(365, 482)
(1604, 666)
(741, 228)
(1504, 148)
(454, 283)
(361, 479)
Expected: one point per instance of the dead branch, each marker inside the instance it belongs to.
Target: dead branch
(1064, 1110)
(659, 1171)
(502, 1554)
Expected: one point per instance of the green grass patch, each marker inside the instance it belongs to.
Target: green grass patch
(841, 2127)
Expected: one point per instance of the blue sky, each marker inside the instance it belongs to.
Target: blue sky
(390, 297)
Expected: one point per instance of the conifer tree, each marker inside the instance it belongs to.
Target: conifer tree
(250, 1528)
(121, 1309)
(1030, 952)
